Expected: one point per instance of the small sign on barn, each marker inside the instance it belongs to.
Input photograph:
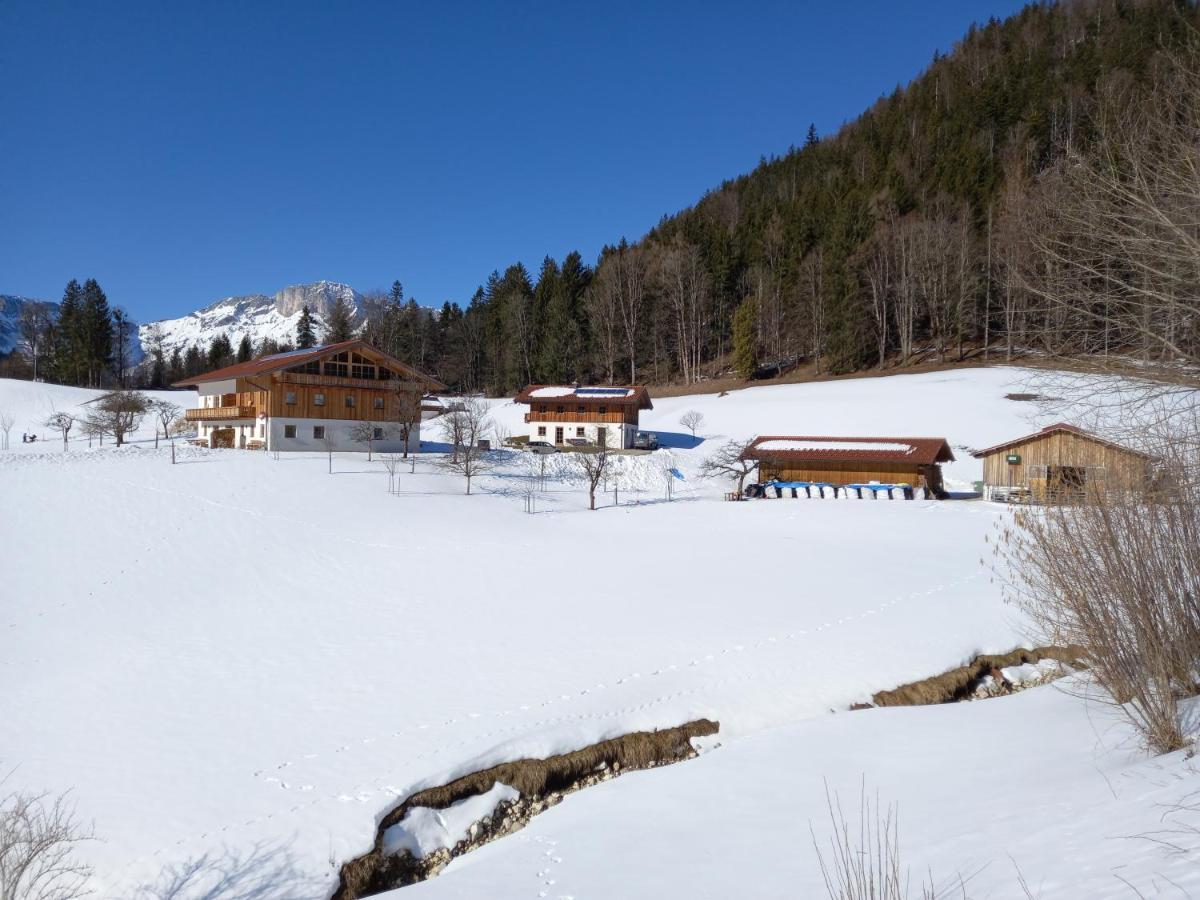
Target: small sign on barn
(1014, 459)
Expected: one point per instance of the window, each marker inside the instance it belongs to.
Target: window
(340, 370)
(318, 432)
(350, 401)
(289, 431)
(383, 374)
(603, 410)
(579, 408)
(541, 431)
(290, 398)
(579, 432)
(318, 399)
(361, 371)
(377, 434)
(379, 403)
(560, 409)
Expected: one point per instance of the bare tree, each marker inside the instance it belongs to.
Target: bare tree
(6, 423)
(327, 441)
(117, 413)
(691, 420)
(729, 461)
(370, 432)
(602, 303)
(467, 424)
(34, 326)
(165, 412)
(408, 411)
(61, 422)
(593, 466)
(685, 283)
(38, 837)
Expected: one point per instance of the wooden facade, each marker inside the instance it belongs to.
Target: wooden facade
(597, 414)
(1061, 462)
(347, 382)
(842, 472)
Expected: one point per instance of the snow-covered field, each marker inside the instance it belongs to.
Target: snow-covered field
(239, 664)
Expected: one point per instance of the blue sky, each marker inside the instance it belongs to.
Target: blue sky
(184, 152)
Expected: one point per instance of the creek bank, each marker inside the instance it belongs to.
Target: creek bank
(538, 784)
(982, 677)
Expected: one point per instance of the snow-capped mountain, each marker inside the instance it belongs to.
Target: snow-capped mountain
(10, 319)
(256, 315)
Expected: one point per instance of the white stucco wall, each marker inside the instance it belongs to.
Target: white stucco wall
(619, 436)
(339, 431)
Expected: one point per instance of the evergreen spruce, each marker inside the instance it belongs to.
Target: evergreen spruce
(245, 350)
(339, 325)
(305, 333)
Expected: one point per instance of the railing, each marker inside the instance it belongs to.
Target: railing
(210, 413)
(387, 384)
(571, 418)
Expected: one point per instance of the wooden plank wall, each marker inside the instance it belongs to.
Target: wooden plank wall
(1121, 468)
(853, 472)
(395, 408)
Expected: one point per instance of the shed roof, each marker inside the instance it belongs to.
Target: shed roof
(277, 361)
(607, 394)
(1057, 428)
(801, 448)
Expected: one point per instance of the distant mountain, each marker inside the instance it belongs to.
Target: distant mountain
(10, 319)
(256, 315)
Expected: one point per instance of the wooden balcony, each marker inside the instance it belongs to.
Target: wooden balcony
(612, 417)
(219, 413)
(389, 384)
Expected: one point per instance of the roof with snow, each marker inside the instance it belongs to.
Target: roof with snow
(607, 394)
(1057, 428)
(278, 361)
(799, 448)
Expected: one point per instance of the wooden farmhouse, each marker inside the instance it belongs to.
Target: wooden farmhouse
(852, 460)
(1060, 462)
(563, 414)
(314, 399)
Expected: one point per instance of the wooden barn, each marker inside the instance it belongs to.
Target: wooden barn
(852, 460)
(1060, 462)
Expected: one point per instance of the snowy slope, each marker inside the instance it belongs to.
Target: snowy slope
(242, 662)
(256, 315)
(31, 402)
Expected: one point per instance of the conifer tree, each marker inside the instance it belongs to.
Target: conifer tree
(245, 350)
(220, 352)
(96, 332)
(305, 333)
(745, 350)
(68, 343)
(339, 326)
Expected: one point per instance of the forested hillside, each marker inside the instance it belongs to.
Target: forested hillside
(907, 231)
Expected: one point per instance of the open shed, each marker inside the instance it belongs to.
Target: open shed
(1060, 462)
(852, 460)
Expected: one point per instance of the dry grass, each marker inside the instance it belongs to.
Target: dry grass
(958, 684)
(369, 874)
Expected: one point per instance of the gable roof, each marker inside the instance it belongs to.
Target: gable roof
(1058, 428)
(608, 394)
(922, 451)
(265, 365)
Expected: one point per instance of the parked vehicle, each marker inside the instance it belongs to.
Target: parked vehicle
(541, 447)
(645, 440)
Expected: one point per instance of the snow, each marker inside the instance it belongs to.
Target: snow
(552, 392)
(877, 446)
(240, 661)
(592, 392)
(424, 830)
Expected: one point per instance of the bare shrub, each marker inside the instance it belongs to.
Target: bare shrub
(391, 463)
(1120, 576)
(165, 412)
(38, 837)
(6, 423)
